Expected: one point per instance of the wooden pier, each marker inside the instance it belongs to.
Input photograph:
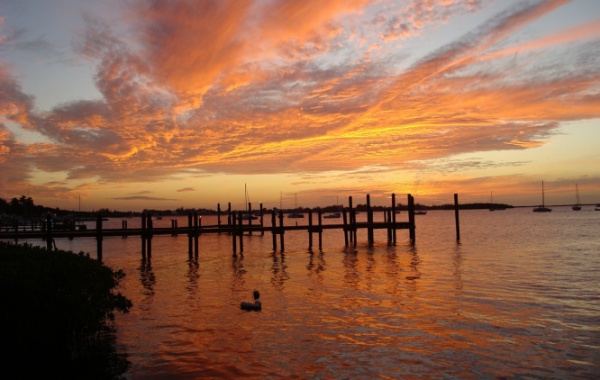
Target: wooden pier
(239, 225)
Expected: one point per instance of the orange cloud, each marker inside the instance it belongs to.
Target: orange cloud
(269, 87)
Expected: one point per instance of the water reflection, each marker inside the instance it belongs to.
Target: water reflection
(148, 281)
(351, 273)
(457, 262)
(237, 265)
(415, 273)
(279, 271)
(147, 277)
(392, 271)
(370, 268)
(316, 265)
(193, 275)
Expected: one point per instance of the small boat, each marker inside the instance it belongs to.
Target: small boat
(296, 215)
(247, 215)
(542, 208)
(420, 212)
(334, 215)
(577, 205)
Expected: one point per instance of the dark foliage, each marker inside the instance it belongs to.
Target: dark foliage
(57, 313)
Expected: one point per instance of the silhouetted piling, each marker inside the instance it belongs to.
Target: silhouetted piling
(310, 230)
(48, 233)
(274, 230)
(370, 235)
(394, 217)
(190, 234)
(233, 232)
(411, 218)
(99, 237)
(281, 232)
(197, 221)
(346, 229)
(456, 217)
(219, 217)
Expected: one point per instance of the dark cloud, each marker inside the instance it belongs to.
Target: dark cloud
(142, 198)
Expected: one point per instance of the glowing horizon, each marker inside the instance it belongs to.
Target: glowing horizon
(178, 104)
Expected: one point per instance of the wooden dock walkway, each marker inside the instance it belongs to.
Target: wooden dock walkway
(237, 226)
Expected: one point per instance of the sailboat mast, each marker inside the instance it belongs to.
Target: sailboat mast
(543, 201)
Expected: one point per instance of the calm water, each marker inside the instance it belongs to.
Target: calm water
(519, 297)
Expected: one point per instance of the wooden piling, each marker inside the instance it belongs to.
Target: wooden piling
(249, 218)
(99, 237)
(282, 231)
(143, 234)
(241, 231)
(346, 230)
(150, 226)
(411, 218)
(190, 233)
(310, 230)
(456, 219)
(391, 225)
(394, 218)
(174, 227)
(196, 232)
(48, 232)
(320, 221)
(230, 221)
(370, 236)
(273, 230)
(219, 217)
(262, 231)
(233, 231)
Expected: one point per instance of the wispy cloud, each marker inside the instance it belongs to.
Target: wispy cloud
(186, 189)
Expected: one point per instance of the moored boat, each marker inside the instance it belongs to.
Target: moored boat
(577, 205)
(542, 208)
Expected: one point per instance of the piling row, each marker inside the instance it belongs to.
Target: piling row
(240, 224)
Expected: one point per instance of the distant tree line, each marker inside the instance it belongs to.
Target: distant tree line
(25, 206)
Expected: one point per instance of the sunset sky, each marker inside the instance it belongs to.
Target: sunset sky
(163, 104)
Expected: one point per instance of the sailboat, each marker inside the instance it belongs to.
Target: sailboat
(296, 214)
(576, 206)
(336, 214)
(542, 208)
(247, 215)
(494, 207)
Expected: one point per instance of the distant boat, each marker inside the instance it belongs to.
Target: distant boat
(577, 205)
(247, 215)
(542, 208)
(334, 215)
(296, 215)
(420, 212)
